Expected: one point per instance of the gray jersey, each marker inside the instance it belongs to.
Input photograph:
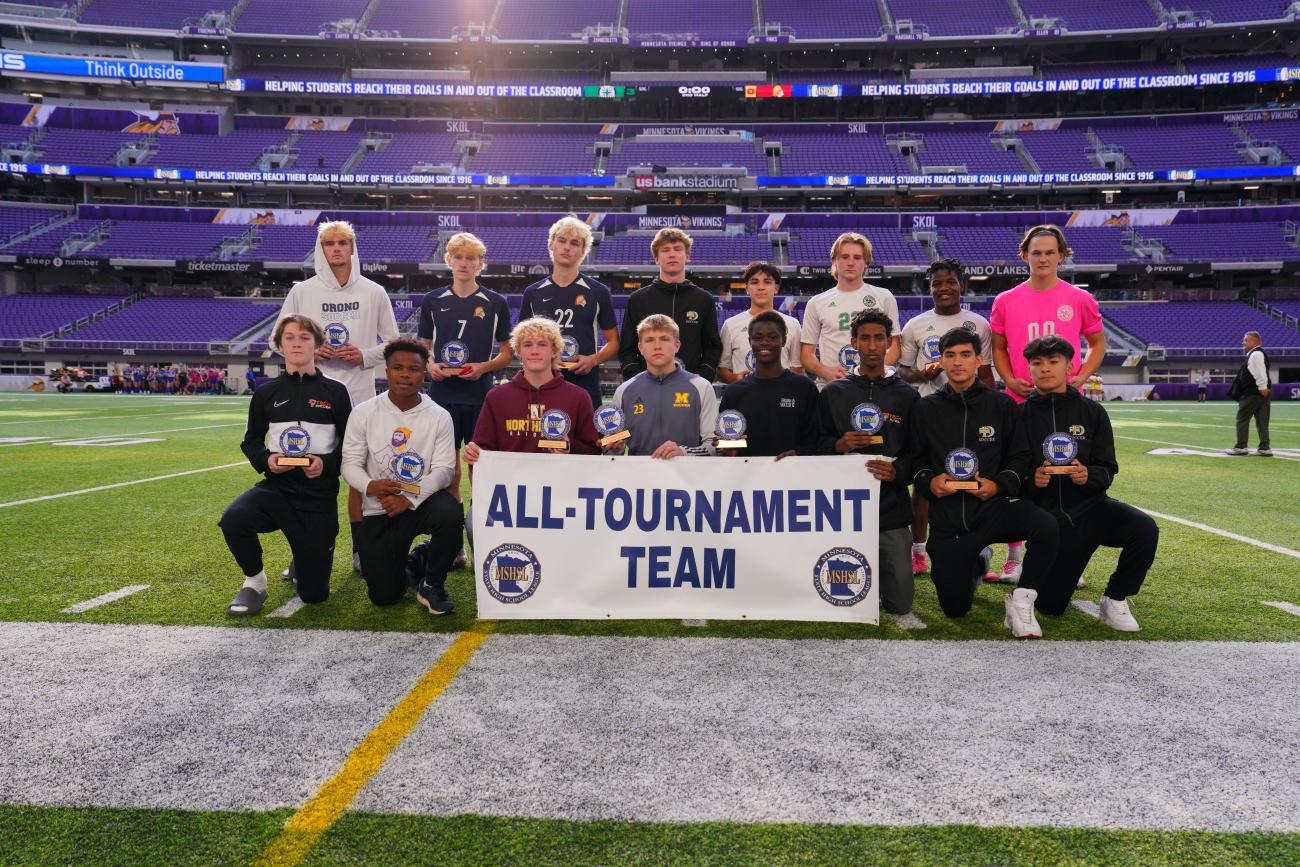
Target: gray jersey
(680, 407)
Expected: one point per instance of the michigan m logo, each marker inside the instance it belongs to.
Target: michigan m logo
(682, 398)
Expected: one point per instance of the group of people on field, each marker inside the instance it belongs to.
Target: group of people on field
(170, 379)
(962, 464)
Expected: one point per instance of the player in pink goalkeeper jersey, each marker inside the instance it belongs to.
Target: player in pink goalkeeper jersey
(1042, 305)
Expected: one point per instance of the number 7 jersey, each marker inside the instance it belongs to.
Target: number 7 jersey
(481, 322)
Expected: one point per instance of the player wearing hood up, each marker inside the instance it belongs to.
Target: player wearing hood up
(357, 319)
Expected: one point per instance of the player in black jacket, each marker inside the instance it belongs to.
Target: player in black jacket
(691, 307)
(299, 414)
(780, 407)
(968, 433)
(888, 401)
(1056, 416)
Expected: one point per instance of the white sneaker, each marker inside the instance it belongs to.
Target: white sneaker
(1115, 614)
(1020, 617)
(1010, 572)
(1082, 582)
(356, 561)
(1237, 450)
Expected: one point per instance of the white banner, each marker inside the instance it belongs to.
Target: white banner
(589, 537)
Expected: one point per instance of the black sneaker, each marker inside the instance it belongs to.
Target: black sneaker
(434, 599)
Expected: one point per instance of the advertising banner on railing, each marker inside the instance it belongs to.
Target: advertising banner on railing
(589, 537)
(160, 72)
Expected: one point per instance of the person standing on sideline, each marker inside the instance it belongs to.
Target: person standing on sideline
(672, 294)
(826, 352)
(1042, 305)
(579, 304)
(1202, 385)
(1252, 390)
(357, 319)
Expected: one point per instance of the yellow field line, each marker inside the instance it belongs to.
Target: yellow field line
(304, 828)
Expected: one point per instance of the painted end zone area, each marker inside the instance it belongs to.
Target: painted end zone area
(193, 717)
(1073, 734)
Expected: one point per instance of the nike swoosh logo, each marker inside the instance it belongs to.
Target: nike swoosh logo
(443, 309)
(282, 403)
(546, 300)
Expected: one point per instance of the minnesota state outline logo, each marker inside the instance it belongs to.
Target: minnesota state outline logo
(842, 576)
(511, 573)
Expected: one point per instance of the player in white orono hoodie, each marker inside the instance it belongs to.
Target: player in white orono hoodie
(357, 318)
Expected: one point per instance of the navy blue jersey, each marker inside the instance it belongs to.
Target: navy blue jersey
(580, 308)
(480, 322)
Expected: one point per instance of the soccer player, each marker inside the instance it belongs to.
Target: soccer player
(1087, 518)
(966, 423)
(762, 281)
(512, 414)
(402, 437)
(579, 303)
(1042, 305)
(871, 334)
(672, 295)
(357, 318)
(826, 318)
(478, 319)
(779, 406)
(918, 363)
(669, 411)
(299, 407)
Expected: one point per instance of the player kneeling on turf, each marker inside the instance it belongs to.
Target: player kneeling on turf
(970, 454)
(298, 418)
(399, 451)
(1070, 481)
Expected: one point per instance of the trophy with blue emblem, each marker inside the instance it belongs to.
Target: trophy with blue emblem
(849, 359)
(568, 353)
(408, 469)
(336, 335)
(868, 419)
(730, 428)
(962, 466)
(556, 425)
(610, 422)
(295, 444)
(454, 355)
(1060, 449)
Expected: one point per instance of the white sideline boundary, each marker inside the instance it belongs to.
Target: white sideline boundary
(120, 485)
(1276, 456)
(1284, 606)
(83, 416)
(104, 599)
(1236, 537)
(47, 441)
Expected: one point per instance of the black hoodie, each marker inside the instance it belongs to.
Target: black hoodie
(318, 405)
(694, 311)
(896, 399)
(1089, 424)
(985, 421)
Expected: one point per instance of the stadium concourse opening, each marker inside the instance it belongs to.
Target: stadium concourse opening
(438, 174)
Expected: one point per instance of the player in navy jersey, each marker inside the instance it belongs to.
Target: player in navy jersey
(467, 330)
(579, 304)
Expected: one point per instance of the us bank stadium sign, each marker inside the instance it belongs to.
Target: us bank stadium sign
(686, 182)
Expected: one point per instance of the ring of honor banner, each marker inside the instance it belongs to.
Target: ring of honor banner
(591, 537)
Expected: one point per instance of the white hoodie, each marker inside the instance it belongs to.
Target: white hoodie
(357, 312)
(379, 435)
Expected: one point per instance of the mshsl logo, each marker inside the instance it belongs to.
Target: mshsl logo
(842, 576)
(511, 573)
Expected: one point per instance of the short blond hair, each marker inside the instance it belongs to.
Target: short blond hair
(571, 225)
(669, 235)
(464, 242)
(1043, 231)
(340, 227)
(537, 326)
(658, 322)
(851, 238)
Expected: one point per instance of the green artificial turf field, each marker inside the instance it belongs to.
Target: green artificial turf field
(61, 550)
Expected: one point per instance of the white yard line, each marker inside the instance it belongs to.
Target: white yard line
(1285, 606)
(104, 599)
(1088, 607)
(1282, 454)
(120, 485)
(288, 609)
(1236, 537)
(56, 440)
(84, 416)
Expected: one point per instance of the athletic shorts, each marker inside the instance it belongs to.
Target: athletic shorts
(464, 417)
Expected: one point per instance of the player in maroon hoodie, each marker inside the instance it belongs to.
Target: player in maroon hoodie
(516, 416)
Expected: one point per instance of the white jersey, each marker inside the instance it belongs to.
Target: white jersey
(920, 343)
(413, 446)
(826, 321)
(358, 313)
(736, 354)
